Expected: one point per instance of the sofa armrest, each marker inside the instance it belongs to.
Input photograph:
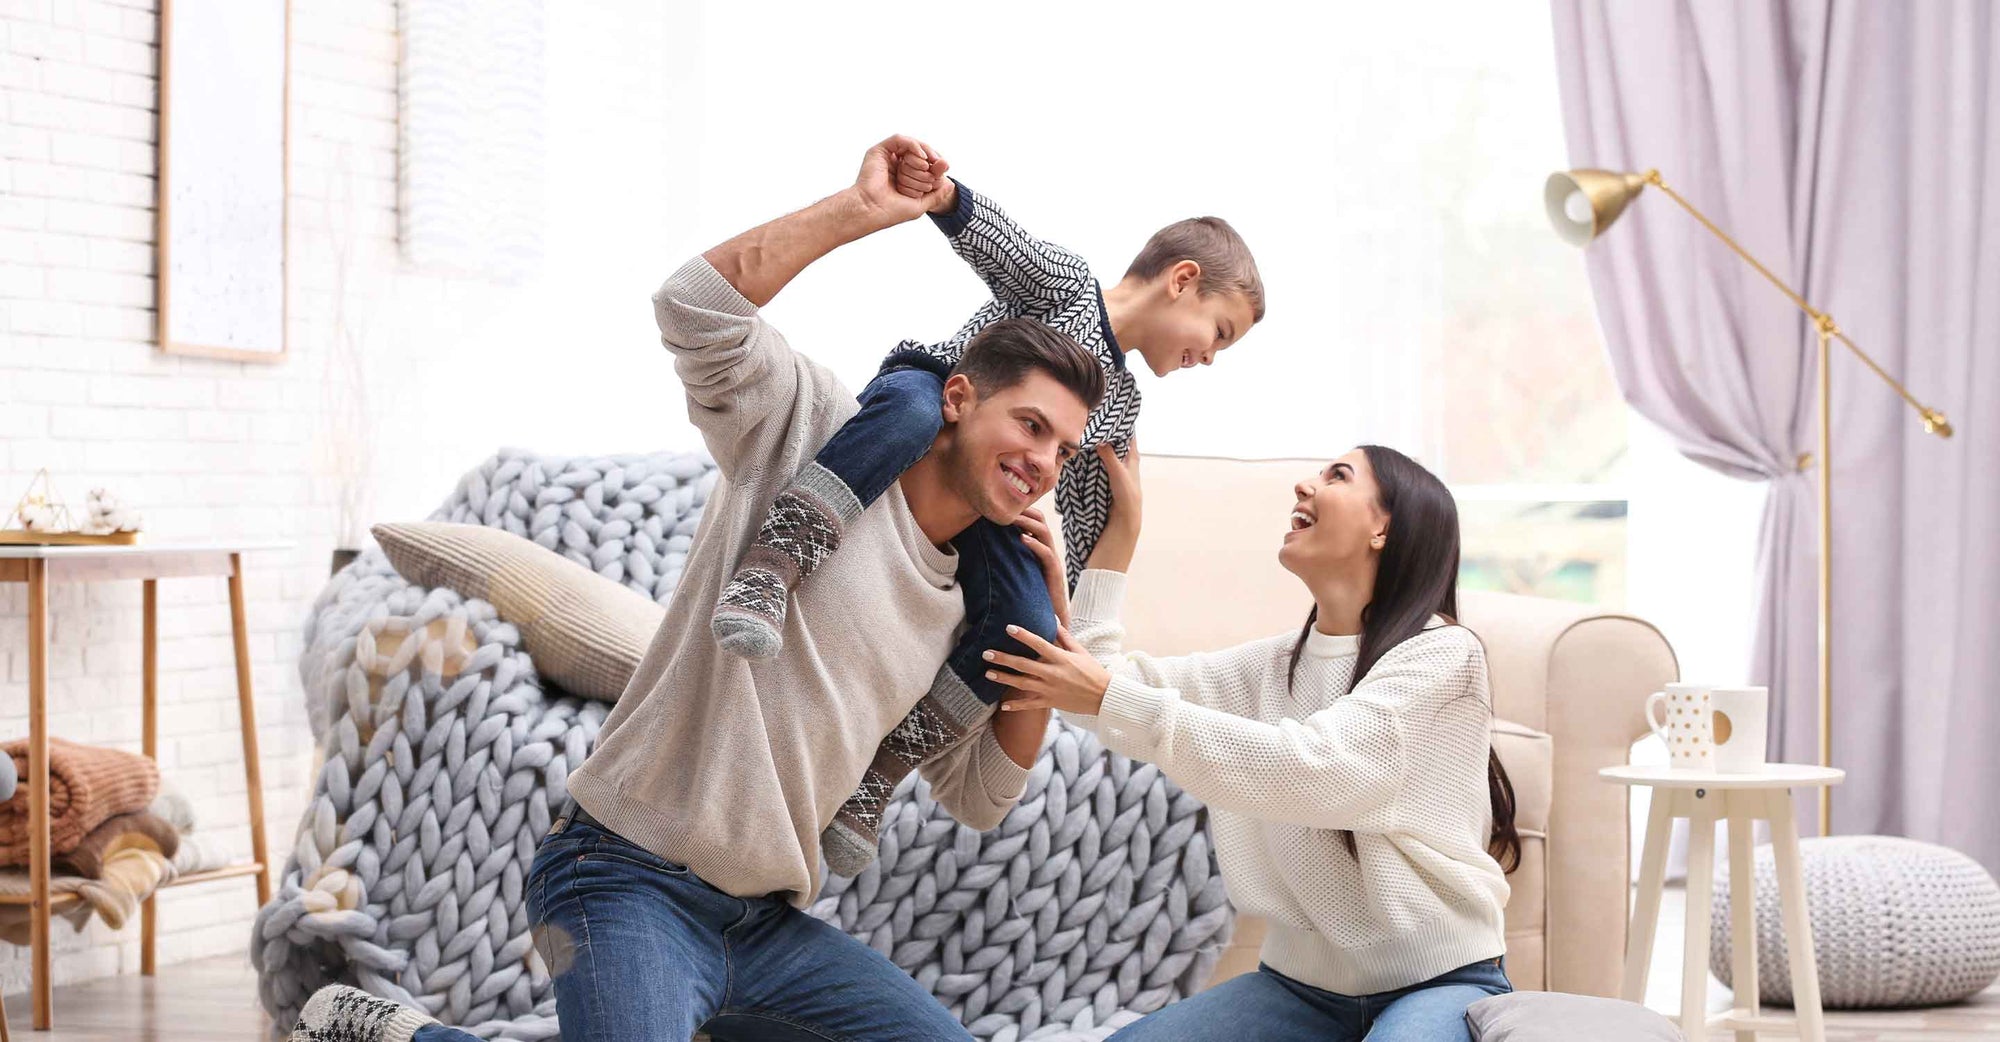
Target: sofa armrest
(1582, 676)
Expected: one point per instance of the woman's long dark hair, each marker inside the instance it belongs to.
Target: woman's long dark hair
(1416, 578)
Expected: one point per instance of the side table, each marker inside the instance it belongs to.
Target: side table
(1704, 798)
(40, 566)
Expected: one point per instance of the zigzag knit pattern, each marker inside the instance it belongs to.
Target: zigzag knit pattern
(446, 756)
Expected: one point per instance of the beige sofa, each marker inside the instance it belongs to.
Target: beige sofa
(1569, 684)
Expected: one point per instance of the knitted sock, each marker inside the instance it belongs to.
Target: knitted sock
(338, 1013)
(939, 721)
(804, 526)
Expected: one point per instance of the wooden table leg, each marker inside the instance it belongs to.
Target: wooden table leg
(1798, 922)
(1646, 903)
(150, 739)
(38, 791)
(1743, 906)
(1702, 813)
(247, 705)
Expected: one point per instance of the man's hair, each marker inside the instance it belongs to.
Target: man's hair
(1004, 353)
(1226, 264)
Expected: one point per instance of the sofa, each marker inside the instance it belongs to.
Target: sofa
(1569, 683)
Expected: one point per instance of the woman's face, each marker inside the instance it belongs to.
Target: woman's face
(1337, 523)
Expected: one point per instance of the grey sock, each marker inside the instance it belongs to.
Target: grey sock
(939, 721)
(803, 527)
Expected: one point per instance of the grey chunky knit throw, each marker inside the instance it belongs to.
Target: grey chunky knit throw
(1097, 900)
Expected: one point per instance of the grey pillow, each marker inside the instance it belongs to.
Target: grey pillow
(1552, 1016)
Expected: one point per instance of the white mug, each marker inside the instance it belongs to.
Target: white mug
(1686, 723)
(1739, 717)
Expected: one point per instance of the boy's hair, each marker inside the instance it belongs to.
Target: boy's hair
(1226, 264)
(1003, 354)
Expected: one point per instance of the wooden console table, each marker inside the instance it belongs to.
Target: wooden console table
(38, 567)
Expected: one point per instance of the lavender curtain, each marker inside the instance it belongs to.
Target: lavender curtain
(1855, 148)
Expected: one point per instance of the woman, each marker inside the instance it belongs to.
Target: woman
(1354, 797)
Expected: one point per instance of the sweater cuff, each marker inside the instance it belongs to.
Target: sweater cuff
(1002, 778)
(1100, 595)
(960, 215)
(1129, 720)
(698, 285)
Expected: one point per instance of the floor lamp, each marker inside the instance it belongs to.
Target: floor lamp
(1582, 204)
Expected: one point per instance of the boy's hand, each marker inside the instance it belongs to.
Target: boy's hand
(899, 179)
(1120, 540)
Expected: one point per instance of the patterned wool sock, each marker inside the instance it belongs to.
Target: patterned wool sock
(338, 1013)
(803, 527)
(940, 720)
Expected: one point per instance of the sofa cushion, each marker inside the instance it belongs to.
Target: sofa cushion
(585, 633)
(1550, 1016)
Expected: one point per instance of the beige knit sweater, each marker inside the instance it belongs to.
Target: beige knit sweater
(733, 767)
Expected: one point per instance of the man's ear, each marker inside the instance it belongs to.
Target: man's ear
(959, 397)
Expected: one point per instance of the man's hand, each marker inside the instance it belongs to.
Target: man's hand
(1041, 542)
(1120, 540)
(898, 181)
(902, 179)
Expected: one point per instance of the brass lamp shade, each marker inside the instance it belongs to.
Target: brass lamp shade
(1582, 203)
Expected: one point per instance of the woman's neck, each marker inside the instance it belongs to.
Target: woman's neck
(1341, 603)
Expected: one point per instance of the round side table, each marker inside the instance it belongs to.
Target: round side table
(1704, 798)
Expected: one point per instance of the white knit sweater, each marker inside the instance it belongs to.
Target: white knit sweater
(1400, 761)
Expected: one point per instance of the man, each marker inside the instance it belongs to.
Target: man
(670, 897)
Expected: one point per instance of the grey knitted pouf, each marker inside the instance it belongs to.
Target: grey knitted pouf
(1895, 922)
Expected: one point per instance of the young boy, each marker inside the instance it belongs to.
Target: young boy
(1193, 291)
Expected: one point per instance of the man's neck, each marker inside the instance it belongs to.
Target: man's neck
(940, 512)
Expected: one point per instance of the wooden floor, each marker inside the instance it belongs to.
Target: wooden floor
(215, 1000)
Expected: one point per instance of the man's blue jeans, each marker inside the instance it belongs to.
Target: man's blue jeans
(643, 951)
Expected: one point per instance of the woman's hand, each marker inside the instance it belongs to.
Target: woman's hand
(1064, 678)
(1120, 540)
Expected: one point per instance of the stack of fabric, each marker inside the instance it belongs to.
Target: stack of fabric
(106, 844)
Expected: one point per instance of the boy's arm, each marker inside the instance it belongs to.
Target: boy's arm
(737, 370)
(1026, 274)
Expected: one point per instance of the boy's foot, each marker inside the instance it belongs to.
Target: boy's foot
(338, 1013)
(934, 726)
(802, 528)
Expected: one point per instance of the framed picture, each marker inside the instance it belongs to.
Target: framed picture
(224, 184)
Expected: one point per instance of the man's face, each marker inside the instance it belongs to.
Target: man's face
(1007, 448)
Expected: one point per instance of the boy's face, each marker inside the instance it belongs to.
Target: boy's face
(1185, 327)
(1007, 448)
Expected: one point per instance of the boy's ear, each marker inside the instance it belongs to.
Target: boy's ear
(1183, 276)
(959, 397)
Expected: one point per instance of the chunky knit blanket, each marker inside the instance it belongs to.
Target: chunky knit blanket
(1097, 900)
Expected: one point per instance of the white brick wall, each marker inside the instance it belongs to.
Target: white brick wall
(212, 449)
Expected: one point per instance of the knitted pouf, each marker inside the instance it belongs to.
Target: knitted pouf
(1097, 900)
(1895, 922)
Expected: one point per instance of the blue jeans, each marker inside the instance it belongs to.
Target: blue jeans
(642, 951)
(1001, 579)
(1270, 1007)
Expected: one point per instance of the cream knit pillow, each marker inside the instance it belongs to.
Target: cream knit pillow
(585, 632)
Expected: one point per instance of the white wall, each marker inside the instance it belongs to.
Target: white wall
(217, 449)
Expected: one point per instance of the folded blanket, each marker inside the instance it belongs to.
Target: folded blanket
(130, 876)
(88, 786)
(199, 853)
(124, 832)
(173, 808)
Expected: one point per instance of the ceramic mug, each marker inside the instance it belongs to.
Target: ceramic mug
(1739, 718)
(1683, 716)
